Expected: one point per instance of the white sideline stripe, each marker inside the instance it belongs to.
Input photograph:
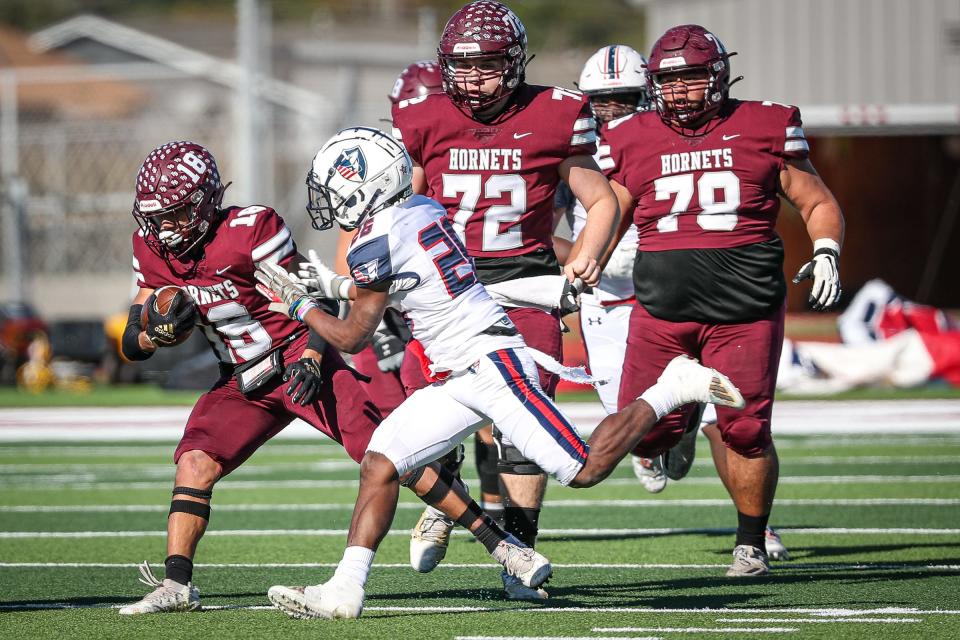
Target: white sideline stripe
(573, 533)
(552, 504)
(548, 609)
(822, 620)
(67, 482)
(479, 565)
(799, 417)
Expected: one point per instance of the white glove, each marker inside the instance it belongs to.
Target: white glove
(285, 291)
(327, 282)
(824, 272)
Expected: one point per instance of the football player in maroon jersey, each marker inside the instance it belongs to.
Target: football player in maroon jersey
(701, 176)
(187, 239)
(492, 149)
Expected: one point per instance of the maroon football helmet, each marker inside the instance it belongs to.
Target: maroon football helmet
(419, 79)
(177, 177)
(689, 47)
(483, 30)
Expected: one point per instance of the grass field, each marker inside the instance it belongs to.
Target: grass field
(872, 524)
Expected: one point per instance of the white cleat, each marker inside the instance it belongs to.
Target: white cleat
(693, 382)
(167, 595)
(336, 598)
(748, 561)
(775, 548)
(516, 590)
(523, 563)
(649, 472)
(429, 540)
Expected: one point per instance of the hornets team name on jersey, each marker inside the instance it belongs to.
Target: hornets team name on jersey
(696, 161)
(485, 160)
(413, 251)
(225, 290)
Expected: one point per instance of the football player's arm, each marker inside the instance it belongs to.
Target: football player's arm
(627, 204)
(802, 187)
(135, 345)
(418, 179)
(592, 189)
(354, 332)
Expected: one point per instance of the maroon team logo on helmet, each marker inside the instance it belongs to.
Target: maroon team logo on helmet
(684, 60)
(491, 38)
(178, 197)
(419, 79)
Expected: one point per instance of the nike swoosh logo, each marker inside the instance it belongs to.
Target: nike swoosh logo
(220, 272)
(517, 136)
(736, 135)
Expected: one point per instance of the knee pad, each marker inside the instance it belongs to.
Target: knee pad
(512, 462)
(747, 435)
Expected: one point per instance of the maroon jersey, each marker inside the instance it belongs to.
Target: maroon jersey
(706, 208)
(497, 179)
(234, 315)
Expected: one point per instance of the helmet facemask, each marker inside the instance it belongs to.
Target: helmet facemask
(464, 87)
(184, 235)
(680, 109)
(611, 105)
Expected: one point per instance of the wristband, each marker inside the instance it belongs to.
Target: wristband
(300, 307)
(826, 244)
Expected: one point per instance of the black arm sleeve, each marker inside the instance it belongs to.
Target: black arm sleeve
(130, 344)
(316, 342)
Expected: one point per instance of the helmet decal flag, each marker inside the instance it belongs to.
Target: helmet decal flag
(352, 165)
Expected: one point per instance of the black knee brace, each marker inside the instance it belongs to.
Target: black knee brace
(486, 456)
(512, 462)
(453, 460)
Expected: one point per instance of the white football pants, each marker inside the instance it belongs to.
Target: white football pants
(502, 388)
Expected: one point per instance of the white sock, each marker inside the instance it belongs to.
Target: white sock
(661, 399)
(355, 565)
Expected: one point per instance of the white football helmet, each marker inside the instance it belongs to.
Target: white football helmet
(358, 172)
(615, 70)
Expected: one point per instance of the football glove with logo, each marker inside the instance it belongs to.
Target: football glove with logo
(570, 298)
(305, 380)
(388, 347)
(163, 329)
(825, 273)
(287, 294)
(318, 276)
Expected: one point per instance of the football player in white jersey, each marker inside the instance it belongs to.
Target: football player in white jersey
(407, 253)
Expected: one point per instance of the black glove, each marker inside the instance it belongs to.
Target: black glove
(570, 298)
(305, 380)
(164, 329)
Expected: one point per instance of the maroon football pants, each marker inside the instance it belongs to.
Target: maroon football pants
(385, 389)
(229, 426)
(748, 353)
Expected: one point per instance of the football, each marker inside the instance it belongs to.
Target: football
(164, 300)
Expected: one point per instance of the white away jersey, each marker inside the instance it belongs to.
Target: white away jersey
(414, 248)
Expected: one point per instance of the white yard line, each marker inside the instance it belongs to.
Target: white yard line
(480, 565)
(570, 533)
(696, 630)
(73, 483)
(551, 504)
(550, 610)
(823, 620)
